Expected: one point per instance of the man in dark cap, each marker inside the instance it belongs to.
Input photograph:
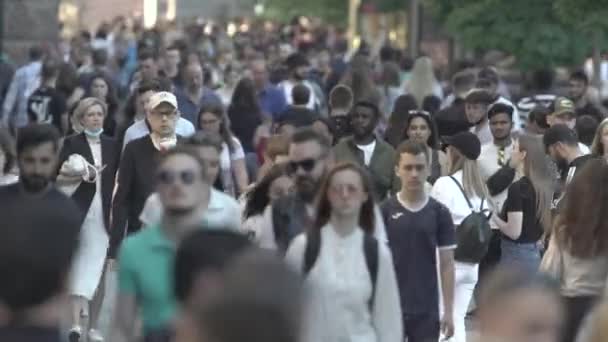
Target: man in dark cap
(298, 66)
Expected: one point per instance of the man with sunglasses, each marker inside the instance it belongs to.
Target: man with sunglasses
(368, 150)
(138, 165)
(146, 258)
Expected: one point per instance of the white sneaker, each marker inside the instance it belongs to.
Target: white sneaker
(75, 334)
(95, 336)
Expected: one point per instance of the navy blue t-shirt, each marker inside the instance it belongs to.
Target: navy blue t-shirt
(413, 238)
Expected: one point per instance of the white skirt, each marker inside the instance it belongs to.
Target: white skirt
(88, 264)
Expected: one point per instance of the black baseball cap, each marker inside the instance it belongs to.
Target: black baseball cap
(466, 142)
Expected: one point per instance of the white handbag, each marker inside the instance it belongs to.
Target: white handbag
(74, 171)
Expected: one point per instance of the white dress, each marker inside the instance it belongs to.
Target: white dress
(90, 258)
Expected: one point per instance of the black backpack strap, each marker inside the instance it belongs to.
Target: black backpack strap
(370, 249)
(463, 193)
(311, 252)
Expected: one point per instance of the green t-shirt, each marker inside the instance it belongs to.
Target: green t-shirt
(146, 262)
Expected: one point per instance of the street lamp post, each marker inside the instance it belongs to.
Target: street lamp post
(353, 8)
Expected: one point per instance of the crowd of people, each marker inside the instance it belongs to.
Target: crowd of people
(276, 186)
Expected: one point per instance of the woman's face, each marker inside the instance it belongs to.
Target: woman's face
(93, 118)
(604, 139)
(210, 123)
(99, 88)
(280, 187)
(419, 131)
(346, 194)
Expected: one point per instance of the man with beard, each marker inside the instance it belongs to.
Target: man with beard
(289, 216)
(340, 104)
(368, 150)
(298, 69)
(577, 92)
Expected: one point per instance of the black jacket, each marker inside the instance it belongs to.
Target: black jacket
(110, 156)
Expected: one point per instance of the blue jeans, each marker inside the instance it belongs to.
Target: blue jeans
(523, 256)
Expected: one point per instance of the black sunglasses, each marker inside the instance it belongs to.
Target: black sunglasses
(168, 178)
(306, 164)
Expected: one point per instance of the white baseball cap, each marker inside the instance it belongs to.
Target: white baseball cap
(162, 97)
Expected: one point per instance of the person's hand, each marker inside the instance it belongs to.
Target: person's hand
(447, 326)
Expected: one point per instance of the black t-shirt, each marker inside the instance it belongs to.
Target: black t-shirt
(46, 105)
(591, 110)
(522, 198)
(413, 238)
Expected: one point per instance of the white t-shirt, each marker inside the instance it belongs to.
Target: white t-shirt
(446, 191)
(483, 132)
(227, 157)
(368, 151)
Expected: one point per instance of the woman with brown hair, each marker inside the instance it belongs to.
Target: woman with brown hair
(599, 147)
(578, 251)
(356, 296)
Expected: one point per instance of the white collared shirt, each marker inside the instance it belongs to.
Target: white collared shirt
(222, 211)
(488, 166)
(339, 306)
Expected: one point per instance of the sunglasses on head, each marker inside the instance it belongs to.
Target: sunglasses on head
(306, 165)
(419, 112)
(168, 177)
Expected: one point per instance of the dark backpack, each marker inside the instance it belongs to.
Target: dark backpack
(473, 235)
(370, 249)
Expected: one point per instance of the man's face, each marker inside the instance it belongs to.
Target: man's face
(143, 100)
(37, 166)
(181, 186)
(211, 156)
(577, 89)
(563, 119)
(413, 171)
(475, 112)
(259, 74)
(148, 69)
(194, 76)
(539, 318)
(173, 58)
(557, 154)
(363, 121)
(500, 126)
(300, 73)
(162, 119)
(307, 166)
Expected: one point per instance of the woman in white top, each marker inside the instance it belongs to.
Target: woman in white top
(233, 171)
(354, 293)
(463, 150)
(578, 250)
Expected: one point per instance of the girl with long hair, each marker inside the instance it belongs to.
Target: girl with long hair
(578, 250)
(464, 182)
(526, 214)
(423, 82)
(245, 113)
(213, 119)
(349, 303)
(421, 128)
(101, 88)
(599, 147)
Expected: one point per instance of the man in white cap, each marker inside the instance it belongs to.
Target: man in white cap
(136, 174)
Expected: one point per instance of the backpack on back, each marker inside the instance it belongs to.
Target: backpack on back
(473, 235)
(370, 250)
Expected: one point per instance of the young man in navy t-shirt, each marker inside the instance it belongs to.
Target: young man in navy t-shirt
(416, 227)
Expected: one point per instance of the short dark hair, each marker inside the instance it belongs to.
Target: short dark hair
(189, 151)
(205, 139)
(368, 104)
(579, 75)
(152, 85)
(7, 146)
(479, 96)
(560, 133)
(99, 57)
(538, 115)
(306, 134)
(413, 148)
(35, 135)
(463, 80)
(202, 251)
(586, 126)
(50, 69)
(542, 79)
(37, 244)
(146, 54)
(35, 53)
(488, 73)
(300, 94)
(500, 108)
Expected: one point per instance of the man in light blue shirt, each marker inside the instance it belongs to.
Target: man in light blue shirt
(24, 83)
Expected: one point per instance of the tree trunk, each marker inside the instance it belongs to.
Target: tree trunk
(414, 28)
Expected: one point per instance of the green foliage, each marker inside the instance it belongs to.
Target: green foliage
(332, 11)
(533, 31)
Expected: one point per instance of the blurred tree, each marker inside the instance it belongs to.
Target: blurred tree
(589, 17)
(332, 11)
(530, 30)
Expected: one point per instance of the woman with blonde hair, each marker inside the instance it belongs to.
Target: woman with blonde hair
(599, 147)
(89, 161)
(423, 82)
(526, 214)
(462, 192)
